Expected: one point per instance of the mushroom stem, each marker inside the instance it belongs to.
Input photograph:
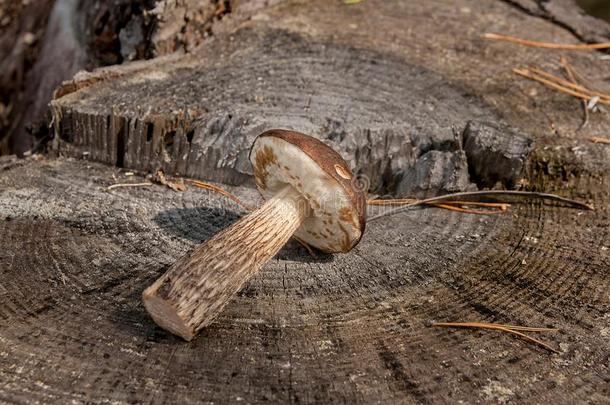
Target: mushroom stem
(198, 286)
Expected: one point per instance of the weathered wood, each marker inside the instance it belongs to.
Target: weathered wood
(566, 14)
(389, 83)
(383, 104)
(350, 327)
(197, 287)
(210, 136)
(495, 155)
(46, 42)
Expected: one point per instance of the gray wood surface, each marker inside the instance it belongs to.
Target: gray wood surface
(351, 327)
(392, 86)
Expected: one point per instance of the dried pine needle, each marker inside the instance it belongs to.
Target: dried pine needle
(525, 328)
(582, 94)
(515, 330)
(562, 85)
(218, 190)
(548, 45)
(487, 324)
(501, 206)
(451, 207)
(484, 194)
(402, 201)
(572, 76)
(448, 205)
(569, 84)
(597, 139)
(391, 201)
(121, 185)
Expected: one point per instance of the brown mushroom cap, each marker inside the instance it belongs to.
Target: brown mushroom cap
(281, 157)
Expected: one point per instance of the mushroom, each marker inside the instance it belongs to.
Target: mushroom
(309, 193)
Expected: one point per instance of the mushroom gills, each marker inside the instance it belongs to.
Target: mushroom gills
(333, 225)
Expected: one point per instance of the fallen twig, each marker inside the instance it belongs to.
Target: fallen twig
(479, 194)
(515, 330)
(597, 139)
(119, 185)
(548, 45)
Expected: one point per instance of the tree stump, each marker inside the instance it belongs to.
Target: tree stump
(418, 104)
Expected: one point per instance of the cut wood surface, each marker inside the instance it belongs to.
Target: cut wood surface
(418, 103)
(392, 87)
(352, 327)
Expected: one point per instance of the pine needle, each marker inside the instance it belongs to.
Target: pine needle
(515, 330)
(501, 206)
(597, 139)
(484, 194)
(556, 83)
(121, 185)
(548, 45)
(305, 245)
(391, 201)
(568, 84)
(403, 201)
(572, 76)
(448, 205)
(216, 189)
(451, 207)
